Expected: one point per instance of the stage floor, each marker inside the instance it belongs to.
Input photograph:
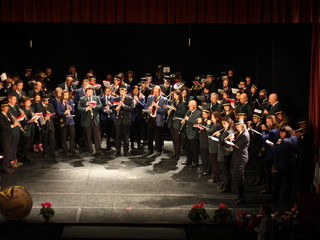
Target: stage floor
(135, 189)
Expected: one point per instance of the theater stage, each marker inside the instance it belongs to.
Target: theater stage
(109, 189)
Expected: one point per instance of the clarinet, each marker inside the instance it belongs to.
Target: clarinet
(182, 125)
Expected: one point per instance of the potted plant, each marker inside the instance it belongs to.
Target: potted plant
(222, 214)
(47, 211)
(198, 213)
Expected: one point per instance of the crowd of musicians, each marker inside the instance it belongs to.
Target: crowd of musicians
(219, 124)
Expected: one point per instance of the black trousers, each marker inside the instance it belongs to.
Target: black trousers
(27, 143)
(65, 132)
(215, 166)
(155, 133)
(267, 164)
(204, 155)
(93, 132)
(257, 161)
(226, 173)
(135, 131)
(122, 136)
(107, 127)
(283, 176)
(176, 140)
(192, 151)
(48, 140)
(238, 178)
(15, 144)
(6, 152)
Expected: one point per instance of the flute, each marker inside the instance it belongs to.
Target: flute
(218, 131)
(230, 135)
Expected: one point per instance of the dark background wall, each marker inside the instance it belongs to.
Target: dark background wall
(276, 55)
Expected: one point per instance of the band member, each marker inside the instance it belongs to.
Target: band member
(139, 101)
(89, 107)
(28, 126)
(66, 111)
(214, 165)
(166, 87)
(256, 146)
(213, 84)
(270, 133)
(206, 95)
(122, 120)
(47, 133)
(79, 93)
(284, 160)
(214, 106)
(274, 105)
(192, 135)
(130, 79)
(149, 83)
(224, 157)
(157, 119)
(116, 85)
(228, 111)
(244, 106)
(282, 119)
(57, 97)
(17, 91)
(244, 88)
(203, 139)
(37, 89)
(72, 71)
(239, 159)
(14, 112)
(107, 116)
(7, 124)
(97, 88)
(143, 87)
(186, 97)
(68, 84)
(254, 99)
(178, 110)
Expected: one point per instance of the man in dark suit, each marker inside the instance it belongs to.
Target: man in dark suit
(68, 84)
(157, 119)
(244, 107)
(166, 87)
(18, 91)
(37, 89)
(214, 106)
(47, 125)
(89, 107)
(274, 105)
(6, 136)
(107, 116)
(122, 120)
(192, 142)
(80, 92)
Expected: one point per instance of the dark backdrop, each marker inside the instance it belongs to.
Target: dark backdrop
(277, 55)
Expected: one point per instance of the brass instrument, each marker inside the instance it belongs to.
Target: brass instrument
(154, 107)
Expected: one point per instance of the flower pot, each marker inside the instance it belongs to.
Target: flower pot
(47, 220)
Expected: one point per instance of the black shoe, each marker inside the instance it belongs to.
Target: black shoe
(265, 191)
(127, 154)
(224, 190)
(150, 153)
(173, 155)
(140, 146)
(158, 154)
(99, 153)
(194, 165)
(239, 202)
(108, 148)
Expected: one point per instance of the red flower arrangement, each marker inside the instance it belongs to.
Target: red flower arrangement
(198, 213)
(248, 221)
(222, 213)
(46, 211)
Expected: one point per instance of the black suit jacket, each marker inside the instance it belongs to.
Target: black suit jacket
(6, 132)
(49, 124)
(274, 109)
(124, 115)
